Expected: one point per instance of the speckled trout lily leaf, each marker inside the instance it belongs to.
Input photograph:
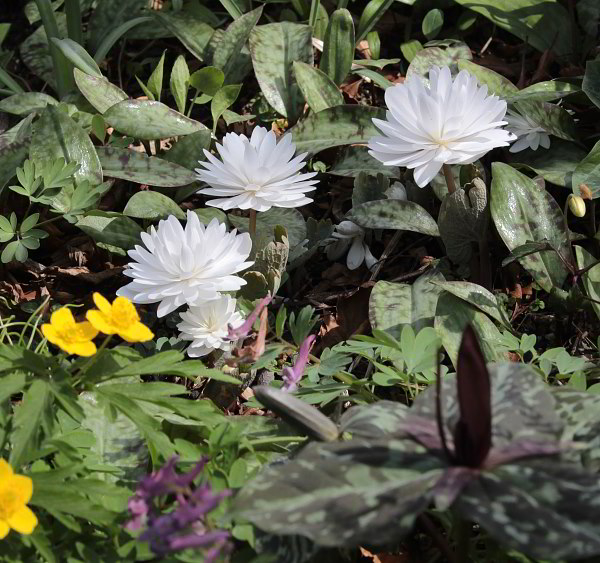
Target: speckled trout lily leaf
(588, 172)
(97, 90)
(132, 165)
(274, 47)
(438, 56)
(523, 212)
(343, 494)
(24, 104)
(146, 119)
(336, 126)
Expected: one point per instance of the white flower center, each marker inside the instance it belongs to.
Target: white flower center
(253, 187)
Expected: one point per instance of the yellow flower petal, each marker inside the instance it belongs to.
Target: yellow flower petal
(23, 520)
(22, 487)
(49, 333)
(102, 303)
(86, 330)
(5, 470)
(124, 311)
(139, 332)
(82, 348)
(62, 319)
(100, 321)
(4, 529)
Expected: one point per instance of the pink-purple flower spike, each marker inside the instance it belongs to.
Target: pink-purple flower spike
(291, 376)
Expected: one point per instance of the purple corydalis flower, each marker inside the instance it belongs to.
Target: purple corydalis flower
(291, 376)
(184, 527)
(243, 330)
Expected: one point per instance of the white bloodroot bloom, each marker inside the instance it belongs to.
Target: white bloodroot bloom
(447, 122)
(349, 237)
(529, 134)
(256, 173)
(206, 325)
(190, 265)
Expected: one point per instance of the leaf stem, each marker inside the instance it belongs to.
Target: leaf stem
(449, 178)
(252, 223)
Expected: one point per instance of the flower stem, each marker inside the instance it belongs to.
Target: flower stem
(252, 224)
(449, 178)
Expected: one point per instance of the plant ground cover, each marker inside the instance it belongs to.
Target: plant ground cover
(299, 281)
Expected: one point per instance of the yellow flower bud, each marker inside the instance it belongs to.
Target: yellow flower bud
(577, 206)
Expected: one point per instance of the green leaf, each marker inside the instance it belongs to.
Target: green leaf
(114, 229)
(410, 48)
(556, 165)
(187, 151)
(101, 93)
(118, 442)
(55, 136)
(233, 39)
(554, 119)
(28, 418)
(319, 91)
(432, 23)
(353, 160)
(179, 82)
(438, 56)
(189, 29)
(374, 43)
(588, 172)
(107, 13)
(372, 13)
(522, 212)
(496, 83)
(99, 127)
(544, 92)
(591, 279)
(76, 54)
(591, 81)
(152, 205)
(266, 221)
(338, 46)
(24, 104)
(208, 80)
(452, 317)
(155, 81)
(145, 119)
(274, 47)
(135, 166)
(332, 127)
(29, 222)
(222, 100)
(392, 306)
(539, 22)
(394, 214)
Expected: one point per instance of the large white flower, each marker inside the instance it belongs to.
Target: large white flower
(529, 134)
(206, 325)
(190, 265)
(350, 237)
(256, 173)
(447, 122)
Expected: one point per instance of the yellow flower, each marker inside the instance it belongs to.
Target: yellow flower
(119, 318)
(15, 492)
(70, 336)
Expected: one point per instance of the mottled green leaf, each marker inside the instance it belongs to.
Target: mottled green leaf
(133, 165)
(56, 135)
(522, 212)
(544, 92)
(382, 419)
(266, 221)
(453, 315)
(103, 18)
(189, 29)
(588, 172)
(317, 88)
(351, 161)
(542, 23)
(555, 165)
(274, 47)
(591, 81)
(76, 54)
(111, 228)
(372, 13)
(152, 205)
(187, 151)
(392, 306)
(554, 119)
(332, 127)
(145, 119)
(338, 46)
(101, 93)
(438, 56)
(496, 83)
(394, 214)
(24, 104)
